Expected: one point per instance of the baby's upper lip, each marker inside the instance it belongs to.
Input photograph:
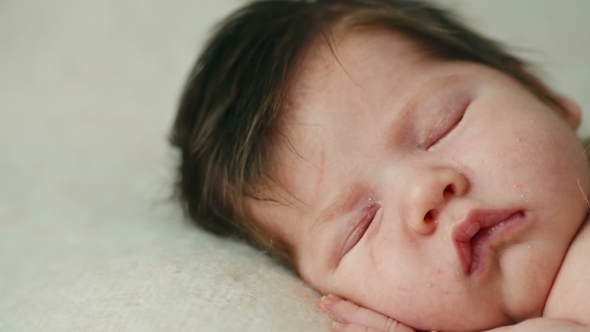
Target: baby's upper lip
(467, 228)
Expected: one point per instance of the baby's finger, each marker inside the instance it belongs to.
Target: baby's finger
(342, 327)
(349, 313)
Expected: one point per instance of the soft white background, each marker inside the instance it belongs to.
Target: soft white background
(88, 239)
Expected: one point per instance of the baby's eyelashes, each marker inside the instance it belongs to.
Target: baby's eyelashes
(360, 227)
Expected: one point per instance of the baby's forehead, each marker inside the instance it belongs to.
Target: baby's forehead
(354, 47)
(362, 67)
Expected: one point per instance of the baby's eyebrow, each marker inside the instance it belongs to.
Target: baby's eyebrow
(430, 87)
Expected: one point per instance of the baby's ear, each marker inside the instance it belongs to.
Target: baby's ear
(571, 113)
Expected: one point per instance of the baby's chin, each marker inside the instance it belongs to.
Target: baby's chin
(455, 324)
(463, 309)
(453, 318)
(457, 318)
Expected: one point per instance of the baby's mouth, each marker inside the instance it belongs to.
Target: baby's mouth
(478, 231)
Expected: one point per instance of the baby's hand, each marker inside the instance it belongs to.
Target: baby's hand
(349, 317)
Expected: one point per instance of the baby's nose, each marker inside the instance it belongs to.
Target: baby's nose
(428, 194)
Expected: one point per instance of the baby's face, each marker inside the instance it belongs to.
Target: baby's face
(442, 194)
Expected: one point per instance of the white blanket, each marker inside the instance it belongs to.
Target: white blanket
(88, 238)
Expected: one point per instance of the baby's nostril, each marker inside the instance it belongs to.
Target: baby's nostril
(450, 189)
(429, 217)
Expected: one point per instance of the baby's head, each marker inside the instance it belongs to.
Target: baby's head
(388, 154)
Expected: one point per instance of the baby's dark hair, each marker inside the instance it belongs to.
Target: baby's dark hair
(230, 115)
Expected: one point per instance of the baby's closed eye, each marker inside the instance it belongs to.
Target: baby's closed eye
(365, 220)
(449, 120)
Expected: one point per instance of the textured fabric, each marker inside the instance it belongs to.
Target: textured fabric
(89, 240)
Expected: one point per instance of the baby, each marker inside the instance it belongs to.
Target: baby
(394, 158)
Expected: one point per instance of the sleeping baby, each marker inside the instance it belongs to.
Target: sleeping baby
(408, 168)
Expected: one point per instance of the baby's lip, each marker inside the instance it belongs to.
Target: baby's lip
(474, 234)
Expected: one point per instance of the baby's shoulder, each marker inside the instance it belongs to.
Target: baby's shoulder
(571, 289)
